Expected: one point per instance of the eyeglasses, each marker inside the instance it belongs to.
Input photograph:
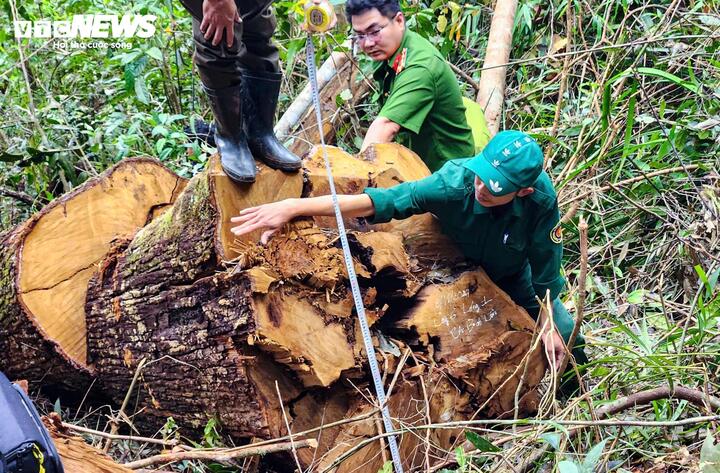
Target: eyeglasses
(374, 34)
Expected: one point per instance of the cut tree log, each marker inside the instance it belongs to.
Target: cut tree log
(160, 299)
(481, 361)
(264, 338)
(47, 261)
(472, 330)
(163, 299)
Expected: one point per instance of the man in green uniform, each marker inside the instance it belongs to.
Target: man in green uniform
(238, 66)
(499, 207)
(420, 98)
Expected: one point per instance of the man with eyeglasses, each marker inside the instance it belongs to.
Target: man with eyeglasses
(421, 101)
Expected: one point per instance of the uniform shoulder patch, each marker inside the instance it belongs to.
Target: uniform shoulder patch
(556, 234)
(399, 63)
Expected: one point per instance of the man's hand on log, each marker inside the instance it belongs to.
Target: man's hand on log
(219, 16)
(270, 216)
(554, 347)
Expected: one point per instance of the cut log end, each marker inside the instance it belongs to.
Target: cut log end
(54, 255)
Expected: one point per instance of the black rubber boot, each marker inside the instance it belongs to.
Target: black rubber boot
(235, 156)
(261, 94)
(200, 130)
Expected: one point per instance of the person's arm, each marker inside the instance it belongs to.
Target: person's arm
(382, 130)
(382, 205)
(545, 257)
(274, 215)
(411, 100)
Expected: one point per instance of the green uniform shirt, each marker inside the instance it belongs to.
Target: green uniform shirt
(502, 240)
(423, 97)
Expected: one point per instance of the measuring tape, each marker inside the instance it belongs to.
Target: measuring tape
(359, 308)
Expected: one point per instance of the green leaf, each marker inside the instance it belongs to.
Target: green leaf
(553, 439)
(709, 20)
(704, 278)
(160, 145)
(442, 23)
(460, 457)
(154, 53)
(346, 94)
(387, 467)
(637, 296)
(10, 157)
(141, 91)
(710, 455)
(651, 71)
(480, 443)
(159, 130)
(57, 408)
(566, 466)
(593, 457)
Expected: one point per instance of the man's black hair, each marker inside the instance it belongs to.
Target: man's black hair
(387, 8)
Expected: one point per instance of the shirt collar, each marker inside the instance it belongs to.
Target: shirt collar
(515, 209)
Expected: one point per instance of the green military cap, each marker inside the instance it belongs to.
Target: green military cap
(510, 161)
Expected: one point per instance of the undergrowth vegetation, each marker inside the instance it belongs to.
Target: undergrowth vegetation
(623, 95)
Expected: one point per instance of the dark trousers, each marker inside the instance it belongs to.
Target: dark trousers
(520, 289)
(221, 66)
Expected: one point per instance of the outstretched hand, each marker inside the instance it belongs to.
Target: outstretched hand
(270, 216)
(219, 16)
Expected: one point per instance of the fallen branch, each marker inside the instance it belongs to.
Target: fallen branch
(465, 76)
(694, 396)
(116, 419)
(21, 196)
(579, 313)
(221, 456)
(97, 433)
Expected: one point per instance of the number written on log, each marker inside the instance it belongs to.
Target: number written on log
(449, 307)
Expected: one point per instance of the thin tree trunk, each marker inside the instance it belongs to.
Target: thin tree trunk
(491, 95)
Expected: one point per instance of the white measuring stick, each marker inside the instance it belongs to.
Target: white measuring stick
(357, 297)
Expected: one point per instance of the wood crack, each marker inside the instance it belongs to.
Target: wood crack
(94, 263)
